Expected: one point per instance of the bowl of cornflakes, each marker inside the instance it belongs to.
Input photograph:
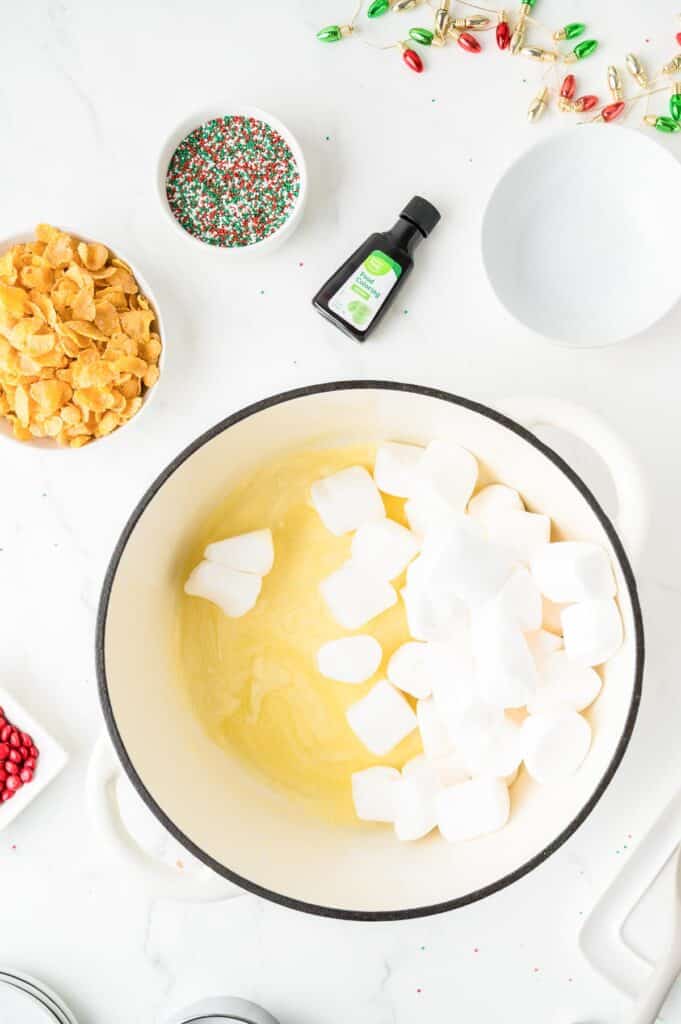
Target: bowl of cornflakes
(80, 340)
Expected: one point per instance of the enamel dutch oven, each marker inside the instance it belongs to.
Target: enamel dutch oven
(256, 839)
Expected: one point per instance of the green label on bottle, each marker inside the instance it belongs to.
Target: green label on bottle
(373, 281)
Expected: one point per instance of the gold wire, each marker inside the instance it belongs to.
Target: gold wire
(355, 16)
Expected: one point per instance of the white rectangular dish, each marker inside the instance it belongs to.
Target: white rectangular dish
(50, 763)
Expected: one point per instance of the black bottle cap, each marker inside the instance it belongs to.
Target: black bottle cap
(421, 214)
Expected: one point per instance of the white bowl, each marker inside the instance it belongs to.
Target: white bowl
(43, 444)
(207, 797)
(578, 238)
(265, 244)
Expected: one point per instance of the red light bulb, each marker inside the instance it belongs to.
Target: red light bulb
(567, 89)
(469, 43)
(412, 60)
(612, 111)
(586, 103)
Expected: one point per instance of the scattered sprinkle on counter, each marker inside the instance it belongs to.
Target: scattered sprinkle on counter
(232, 182)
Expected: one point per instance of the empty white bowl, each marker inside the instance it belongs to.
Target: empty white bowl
(579, 235)
(265, 244)
(46, 443)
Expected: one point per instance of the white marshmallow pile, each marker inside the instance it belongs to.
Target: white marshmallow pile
(230, 575)
(493, 684)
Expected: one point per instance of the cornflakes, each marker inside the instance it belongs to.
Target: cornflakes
(78, 345)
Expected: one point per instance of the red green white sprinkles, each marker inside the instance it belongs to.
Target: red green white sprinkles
(232, 182)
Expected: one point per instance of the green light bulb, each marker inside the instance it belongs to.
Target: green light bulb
(585, 49)
(675, 106)
(425, 37)
(330, 34)
(574, 29)
(667, 124)
(377, 8)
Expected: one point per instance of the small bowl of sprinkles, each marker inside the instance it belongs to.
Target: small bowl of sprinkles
(236, 181)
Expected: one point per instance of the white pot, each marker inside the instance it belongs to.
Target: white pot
(207, 799)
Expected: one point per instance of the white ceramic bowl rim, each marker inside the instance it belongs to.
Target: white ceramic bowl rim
(188, 125)
(253, 887)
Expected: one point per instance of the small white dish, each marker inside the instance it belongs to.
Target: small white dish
(38, 998)
(579, 235)
(46, 444)
(265, 245)
(50, 763)
(18, 1005)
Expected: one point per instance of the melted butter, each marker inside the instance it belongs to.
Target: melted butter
(253, 681)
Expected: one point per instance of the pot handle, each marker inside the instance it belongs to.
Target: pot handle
(159, 880)
(633, 507)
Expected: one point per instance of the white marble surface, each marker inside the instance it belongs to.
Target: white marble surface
(87, 92)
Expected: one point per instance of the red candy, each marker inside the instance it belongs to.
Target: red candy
(586, 102)
(18, 758)
(503, 35)
(678, 38)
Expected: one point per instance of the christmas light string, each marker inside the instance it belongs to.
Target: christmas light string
(513, 36)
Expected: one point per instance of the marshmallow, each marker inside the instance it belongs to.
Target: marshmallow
(374, 793)
(592, 631)
(472, 809)
(414, 666)
(521, 534)
(542, 643)
(505, 669)
(448, 472)
(466, 565)
(352, 659)
(434, 735)
(415, 814)
(555, 744)
(472, 728)
(492, 500)
(249, 552)
(551, 614)
(396, 468)
(450, 769)
(562, 682)
(571, 571)
(353, 598)
(520, 602)
(433, 613)
(455, 688)
(383, 549)
(496, 752)
(234, 592)
(427, 512)
(347, 499)
(382, 719)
